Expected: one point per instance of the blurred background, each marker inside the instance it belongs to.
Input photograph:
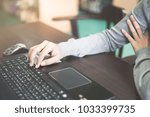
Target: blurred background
(78, 18)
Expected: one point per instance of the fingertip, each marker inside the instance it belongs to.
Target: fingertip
(31, 64)
(132, 17)
(128, 21)
(38, 62)
(123, 30)
(59, 61)
(43, 63)
(37, 66)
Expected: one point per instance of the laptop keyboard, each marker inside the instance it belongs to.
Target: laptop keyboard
(29, 82)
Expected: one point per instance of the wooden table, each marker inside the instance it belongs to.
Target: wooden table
(112, 73)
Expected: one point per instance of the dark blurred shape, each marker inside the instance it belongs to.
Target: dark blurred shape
(94, 6)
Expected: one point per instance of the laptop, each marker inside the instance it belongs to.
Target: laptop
(19, 81)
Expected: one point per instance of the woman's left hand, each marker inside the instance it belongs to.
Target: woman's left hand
(139, 40)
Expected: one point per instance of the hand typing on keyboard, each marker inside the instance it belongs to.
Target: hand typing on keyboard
(28, 82)
(38, 54)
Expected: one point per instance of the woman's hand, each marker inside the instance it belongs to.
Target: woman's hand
(38, 53)
(139, 40)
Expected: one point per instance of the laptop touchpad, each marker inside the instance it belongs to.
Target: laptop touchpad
(69, 78)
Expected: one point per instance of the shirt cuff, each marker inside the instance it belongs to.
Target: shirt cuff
(143, 51)
(67, 48)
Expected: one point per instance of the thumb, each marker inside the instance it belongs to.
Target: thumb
(50, 61)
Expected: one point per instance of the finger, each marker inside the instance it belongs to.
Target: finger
(33, 56)
(131, 40)
(133, 31)
(137, 26)
(53, 53)
(30, 51)
(42, 55)
(50, 61)
(36, 50)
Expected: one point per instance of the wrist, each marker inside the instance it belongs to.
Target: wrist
(63, 50)
(67, 48)
(143, 51)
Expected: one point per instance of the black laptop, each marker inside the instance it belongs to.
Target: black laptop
(61, 81)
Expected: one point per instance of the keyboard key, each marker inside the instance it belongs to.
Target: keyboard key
(28, 82)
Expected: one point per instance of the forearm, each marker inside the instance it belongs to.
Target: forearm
(107, 40)
(142, 73)
(85, 46)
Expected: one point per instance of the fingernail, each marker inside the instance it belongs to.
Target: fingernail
(131, 16)
(43, 63)
(122, 30)
(31, 64)
(37, 66)
(58, 61)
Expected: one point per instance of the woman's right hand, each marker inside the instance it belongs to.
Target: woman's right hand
(38, 53)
